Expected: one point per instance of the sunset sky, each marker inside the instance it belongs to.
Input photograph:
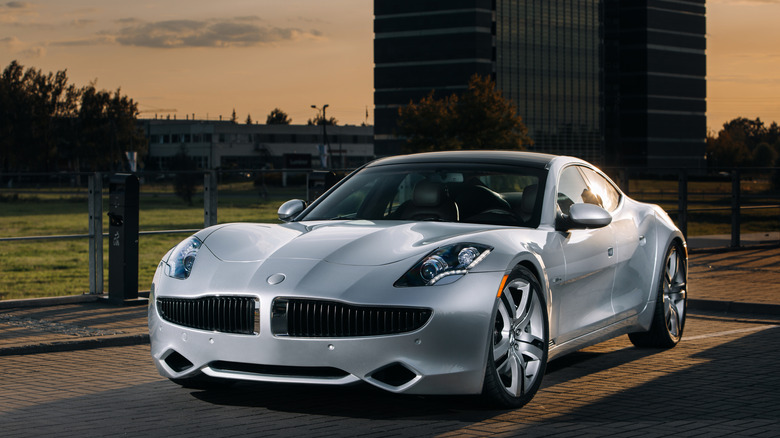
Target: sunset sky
(207, 58)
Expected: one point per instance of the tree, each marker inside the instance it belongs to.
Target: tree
(47, 124)
(727, 150)
(744, 142)
(248, 119)
(764, 155)
(107, 128)
(429, 124)
(319, 121)
(233, 117)
(277, 117)
(480, 118)
(34, 111)
(186, 179)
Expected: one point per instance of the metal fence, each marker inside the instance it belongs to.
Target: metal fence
(725, 200)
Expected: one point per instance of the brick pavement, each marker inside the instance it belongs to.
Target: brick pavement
(720, 381)
(62, 327)
(57, 379)
(747, 276)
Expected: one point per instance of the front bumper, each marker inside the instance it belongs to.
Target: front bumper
(447, 355)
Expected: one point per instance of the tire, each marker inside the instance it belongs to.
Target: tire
(517, 351)
(671, 304)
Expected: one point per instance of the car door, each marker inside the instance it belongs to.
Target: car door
(584, 295)
(633, 227)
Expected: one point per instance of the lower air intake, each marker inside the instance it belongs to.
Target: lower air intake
(280, 371)
(394, 375)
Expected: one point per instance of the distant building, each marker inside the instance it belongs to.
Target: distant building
(655, 82)
(614, 82)
(227, 145)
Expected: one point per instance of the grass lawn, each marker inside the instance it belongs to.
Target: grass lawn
(30, 269)
(48, 268)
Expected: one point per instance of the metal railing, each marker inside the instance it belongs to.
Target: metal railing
(95, 217)
(685, 208)
(736, 206)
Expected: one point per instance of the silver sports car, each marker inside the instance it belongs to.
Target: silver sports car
(437, 273)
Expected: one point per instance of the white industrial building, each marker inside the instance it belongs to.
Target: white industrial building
(228, 145)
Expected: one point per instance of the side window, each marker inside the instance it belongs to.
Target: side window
(601, 187)
(571, 187)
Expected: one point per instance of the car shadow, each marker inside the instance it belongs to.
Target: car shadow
(361, 400)
(731, 384)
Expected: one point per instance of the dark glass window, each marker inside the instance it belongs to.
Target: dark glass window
(547, 63)
(452, 192)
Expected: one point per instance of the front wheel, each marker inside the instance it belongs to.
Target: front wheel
(517, 354)
(669, 315)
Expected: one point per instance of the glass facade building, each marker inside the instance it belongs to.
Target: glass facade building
(548, 64)
(655, 83)
(425, 45)
(614, 82)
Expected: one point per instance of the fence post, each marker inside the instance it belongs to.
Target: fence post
(682, 208)
(735, 205)
(210, 198)
(95, 207)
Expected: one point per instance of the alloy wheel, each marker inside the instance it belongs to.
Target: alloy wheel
(674, 293)
(519, 338)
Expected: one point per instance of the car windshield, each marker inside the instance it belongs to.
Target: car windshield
(450, 192)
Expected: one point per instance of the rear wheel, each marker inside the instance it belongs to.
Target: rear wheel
(517, 355)
(671, 303)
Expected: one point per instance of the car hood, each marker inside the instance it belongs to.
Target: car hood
(357, 243)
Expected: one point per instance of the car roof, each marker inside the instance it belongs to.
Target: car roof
(528, 159)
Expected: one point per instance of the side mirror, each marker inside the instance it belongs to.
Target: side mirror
(582, 216)
(290, 209)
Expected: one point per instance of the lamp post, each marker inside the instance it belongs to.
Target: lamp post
(325, 141)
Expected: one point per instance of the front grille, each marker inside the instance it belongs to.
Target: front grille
(220, 314)
(323, 319)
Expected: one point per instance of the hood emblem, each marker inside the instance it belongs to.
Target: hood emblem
(276, 279)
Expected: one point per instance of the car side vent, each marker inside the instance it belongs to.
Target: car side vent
(323, 319)
(221, 314)
(177, 362)
(394, 375)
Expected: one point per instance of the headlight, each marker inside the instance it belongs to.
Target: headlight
(444, 262)
(179, 263)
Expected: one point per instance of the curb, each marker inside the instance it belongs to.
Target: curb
(725, 249)
(734, 307)
(142, 300)
(86, 344)
(46, 302)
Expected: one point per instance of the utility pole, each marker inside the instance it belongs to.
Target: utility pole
(325, 141)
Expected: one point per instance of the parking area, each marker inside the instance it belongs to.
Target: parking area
(85, 370)
(722, 380)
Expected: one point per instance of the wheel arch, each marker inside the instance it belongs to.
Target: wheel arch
(667, 236)
(531, 263)
(534, 263)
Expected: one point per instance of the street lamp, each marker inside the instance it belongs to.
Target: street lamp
(325, 141)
